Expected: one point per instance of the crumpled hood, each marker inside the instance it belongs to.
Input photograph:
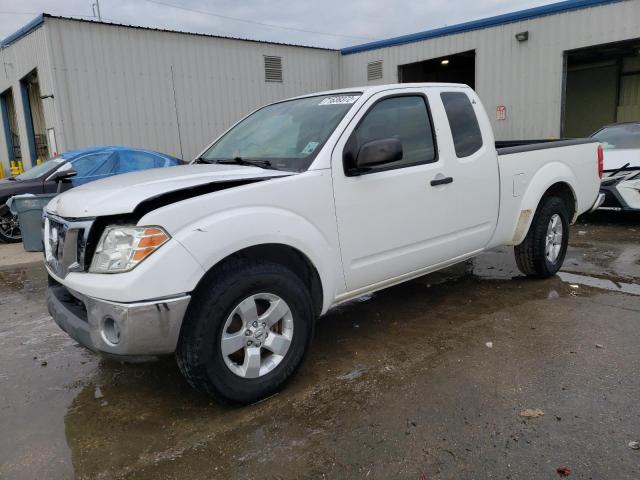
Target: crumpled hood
(123, 193)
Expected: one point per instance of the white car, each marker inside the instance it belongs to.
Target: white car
(302, 205)
(621, 179)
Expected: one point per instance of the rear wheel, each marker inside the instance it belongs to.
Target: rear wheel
(542, 252)
(9, 228)
(246, 331)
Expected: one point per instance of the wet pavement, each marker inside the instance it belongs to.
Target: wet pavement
(426, 380)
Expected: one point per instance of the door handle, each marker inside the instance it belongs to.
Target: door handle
(441, 181)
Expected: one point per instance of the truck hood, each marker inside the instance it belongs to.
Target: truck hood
(122, 194)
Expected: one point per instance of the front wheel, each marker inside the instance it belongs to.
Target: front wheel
(542, 252)
(246, 331)
(9, 228)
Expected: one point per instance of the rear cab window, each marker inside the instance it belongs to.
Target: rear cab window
(465, 129)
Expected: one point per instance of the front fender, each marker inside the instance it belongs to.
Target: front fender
(549, 175)
(214, 238)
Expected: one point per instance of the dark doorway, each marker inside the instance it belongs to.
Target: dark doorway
(34, 116)
(457, 68)
(602, 86)
(10, 122)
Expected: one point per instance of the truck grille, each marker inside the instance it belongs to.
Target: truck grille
(65, 244)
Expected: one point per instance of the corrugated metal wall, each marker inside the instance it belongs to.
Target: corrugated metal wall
(116, 84)
(18, 60)
(525, 77)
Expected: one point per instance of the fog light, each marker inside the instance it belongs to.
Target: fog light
(110, 330)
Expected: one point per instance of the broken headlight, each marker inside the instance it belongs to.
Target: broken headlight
(121, 248)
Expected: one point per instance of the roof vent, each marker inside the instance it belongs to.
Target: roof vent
(272, 69)
(374, 70)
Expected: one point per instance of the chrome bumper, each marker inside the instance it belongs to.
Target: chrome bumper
(118, 329)
(599, 201)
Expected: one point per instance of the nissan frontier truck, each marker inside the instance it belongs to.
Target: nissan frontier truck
(306, 203)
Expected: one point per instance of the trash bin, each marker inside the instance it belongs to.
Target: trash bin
(29, 209)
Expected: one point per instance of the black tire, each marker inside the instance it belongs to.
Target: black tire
(530, 254)
(199, 354)
(9, 228)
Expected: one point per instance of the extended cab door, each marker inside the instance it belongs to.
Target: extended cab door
(432, 206)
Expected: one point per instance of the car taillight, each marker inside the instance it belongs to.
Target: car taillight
(600, 161)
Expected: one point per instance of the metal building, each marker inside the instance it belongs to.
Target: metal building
(563, 69)
(71, 83)
(559, 70)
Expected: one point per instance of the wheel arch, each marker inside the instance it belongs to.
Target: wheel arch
(542, 186)
(284, 255)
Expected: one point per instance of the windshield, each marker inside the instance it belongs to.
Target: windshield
(284, 136)
(623, 136)
(42, 169)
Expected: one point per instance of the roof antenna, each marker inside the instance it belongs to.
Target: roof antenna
(96, 9)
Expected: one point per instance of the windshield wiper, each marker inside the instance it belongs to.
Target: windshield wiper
(203, 160)
(244, 161)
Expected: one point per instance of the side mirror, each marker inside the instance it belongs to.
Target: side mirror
(378, 152)
(61, 175)
(64, 173)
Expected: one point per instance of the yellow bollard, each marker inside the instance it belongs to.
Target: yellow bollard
(1, 171)
(14, 168)
(38, 161)
(20, 167)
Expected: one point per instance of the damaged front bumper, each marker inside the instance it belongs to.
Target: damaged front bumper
(124, 330)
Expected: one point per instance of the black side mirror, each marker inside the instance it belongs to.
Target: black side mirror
(63, 175)
(375, 153)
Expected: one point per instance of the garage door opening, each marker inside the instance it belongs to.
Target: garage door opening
(10, 123)
(602, 86)
(34, 116)
(457, 68)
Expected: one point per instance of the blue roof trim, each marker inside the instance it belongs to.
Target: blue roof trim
(521, 15)
(28, 28)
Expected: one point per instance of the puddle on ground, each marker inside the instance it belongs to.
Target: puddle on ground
(602, 283)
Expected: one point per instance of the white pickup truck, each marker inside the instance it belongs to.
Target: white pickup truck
(302, 205)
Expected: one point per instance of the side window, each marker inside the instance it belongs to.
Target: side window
(131, 161)
(467, 138)
(93, 164)
(405, 118)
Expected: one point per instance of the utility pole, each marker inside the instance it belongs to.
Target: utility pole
(96, 10)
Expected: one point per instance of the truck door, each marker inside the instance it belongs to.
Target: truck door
(427, 208)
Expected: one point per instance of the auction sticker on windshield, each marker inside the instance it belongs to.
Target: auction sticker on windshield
(311, 146)
(339, 100)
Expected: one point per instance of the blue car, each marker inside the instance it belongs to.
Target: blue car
(90, 164)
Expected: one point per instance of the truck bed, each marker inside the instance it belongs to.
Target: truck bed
(507, 147)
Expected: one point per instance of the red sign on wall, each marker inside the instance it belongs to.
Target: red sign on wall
(501, 112)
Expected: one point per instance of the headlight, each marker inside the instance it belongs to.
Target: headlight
(122, 248)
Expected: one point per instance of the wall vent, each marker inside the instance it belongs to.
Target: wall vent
(374, 70)
(272, 69)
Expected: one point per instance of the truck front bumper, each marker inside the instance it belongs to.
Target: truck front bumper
(124, 330)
